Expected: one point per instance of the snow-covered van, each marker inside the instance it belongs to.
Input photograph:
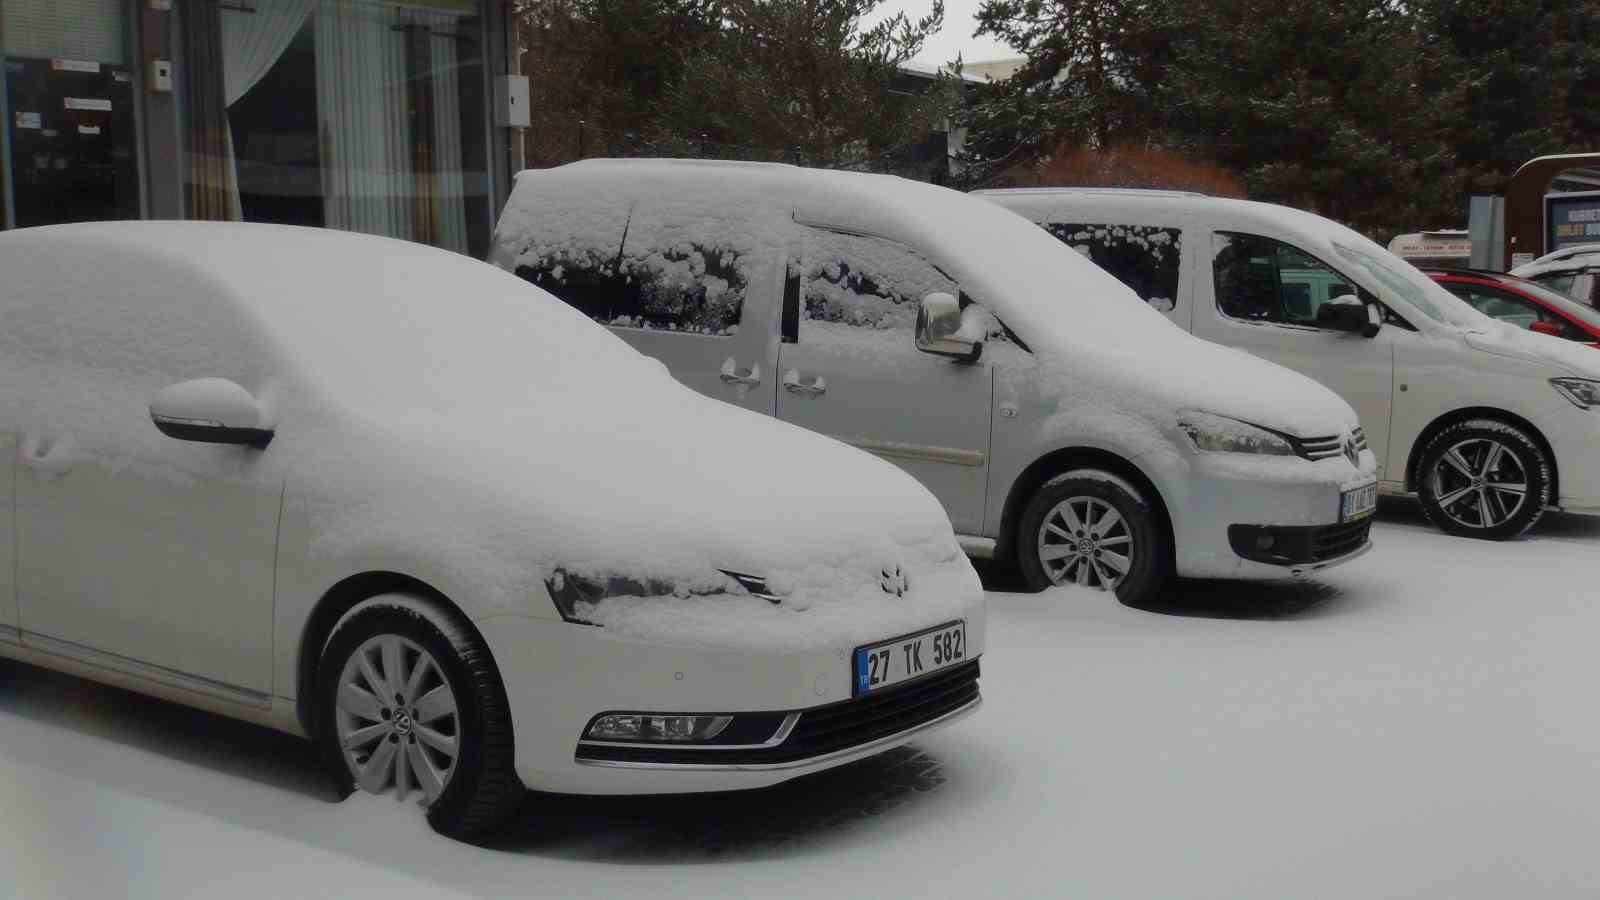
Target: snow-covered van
(1489, 424)
(1106, 448)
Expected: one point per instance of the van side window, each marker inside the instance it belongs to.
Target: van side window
(670, 285)
(595, 289)
(865, 282)
(1144, 257)
(1261, 280)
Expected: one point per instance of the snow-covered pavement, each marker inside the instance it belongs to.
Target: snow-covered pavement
(1420, 723)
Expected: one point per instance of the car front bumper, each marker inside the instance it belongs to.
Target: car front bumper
(559, 676)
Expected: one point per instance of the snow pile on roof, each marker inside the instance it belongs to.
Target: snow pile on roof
(432, 407)
(1566, 259)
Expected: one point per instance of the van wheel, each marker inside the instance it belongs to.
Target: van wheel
(411, 705)
(1093, 529)
(1483, 479)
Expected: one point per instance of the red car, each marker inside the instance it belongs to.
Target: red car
(1523, 303)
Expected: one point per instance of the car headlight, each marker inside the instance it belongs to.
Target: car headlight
(1583, 392)
(1220, 434)
(574, 594)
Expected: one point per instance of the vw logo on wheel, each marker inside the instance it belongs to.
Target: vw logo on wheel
(894, 581)
(402, 722)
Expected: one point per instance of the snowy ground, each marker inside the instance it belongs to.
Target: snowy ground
(1419, 724)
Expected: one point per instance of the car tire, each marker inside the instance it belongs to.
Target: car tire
(1096, 548)
(1466, 474)
(453, 747)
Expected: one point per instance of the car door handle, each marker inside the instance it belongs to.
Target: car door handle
(50, 460)
(816, 387)
(732, 375)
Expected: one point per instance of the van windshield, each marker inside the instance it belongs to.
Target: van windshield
(1407, 281)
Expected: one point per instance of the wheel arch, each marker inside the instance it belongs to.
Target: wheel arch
(1064, 460)
(1468, 413)
(334, 603)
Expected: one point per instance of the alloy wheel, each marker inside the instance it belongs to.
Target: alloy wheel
(1479, 483)
(397, 721)
(1085, 541)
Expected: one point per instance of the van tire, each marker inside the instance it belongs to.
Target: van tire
(1446, 479)
(1091, 492)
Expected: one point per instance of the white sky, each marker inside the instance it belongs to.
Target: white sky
(955, 37)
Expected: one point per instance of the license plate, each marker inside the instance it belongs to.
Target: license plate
(1358, 503)
(878, 666)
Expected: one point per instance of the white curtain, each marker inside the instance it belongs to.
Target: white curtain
(367, 141)
(366, 136)
(251, 45)
(449, 182)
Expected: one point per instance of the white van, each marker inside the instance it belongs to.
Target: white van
(1488, 424)
(1104, 447)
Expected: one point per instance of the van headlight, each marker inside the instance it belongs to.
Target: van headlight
(1219, 434)
(1583, 392)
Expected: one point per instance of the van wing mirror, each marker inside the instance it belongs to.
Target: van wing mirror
(940, 332)
(1347, 312)
(210, 411)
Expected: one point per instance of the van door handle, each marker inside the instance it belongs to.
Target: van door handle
(792, 383)
(732, 375)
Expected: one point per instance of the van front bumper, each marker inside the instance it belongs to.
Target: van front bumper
(1277, 520)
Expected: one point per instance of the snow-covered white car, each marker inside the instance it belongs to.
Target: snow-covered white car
(1105, 448)
(398, 501)
(1574, 271)
(1489, 424)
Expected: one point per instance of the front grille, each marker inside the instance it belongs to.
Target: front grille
(826, 729)
(1360, 436)
(1298, 545)
(1321, 447)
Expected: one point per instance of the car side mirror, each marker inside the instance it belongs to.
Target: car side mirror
(939, 329)
(1543, 327)
(210, 411)
(1347, 312)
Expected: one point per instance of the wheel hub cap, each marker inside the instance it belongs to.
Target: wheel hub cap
(396, 719)
(1480, 483)
(1085, 541)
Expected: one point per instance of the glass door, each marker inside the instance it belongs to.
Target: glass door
(72, 142)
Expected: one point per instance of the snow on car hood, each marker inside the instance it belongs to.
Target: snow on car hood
(1504, 339)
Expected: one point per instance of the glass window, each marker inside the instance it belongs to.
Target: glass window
(1146, 258)
(350, 114)
(1514, 310)
(1259, 279)
(1561, 282)
(865, 282)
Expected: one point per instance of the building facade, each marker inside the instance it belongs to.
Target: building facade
(381, 117)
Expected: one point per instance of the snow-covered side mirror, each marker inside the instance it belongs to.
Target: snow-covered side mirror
(210, 411)
(1347, 312)
(940, 329)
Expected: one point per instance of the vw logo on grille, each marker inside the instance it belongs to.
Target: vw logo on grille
(894, 581)
(1351, 452)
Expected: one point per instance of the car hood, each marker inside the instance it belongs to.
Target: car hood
(645, 480)
(1506, 340)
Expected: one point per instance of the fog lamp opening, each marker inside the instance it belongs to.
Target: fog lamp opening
(649, 727)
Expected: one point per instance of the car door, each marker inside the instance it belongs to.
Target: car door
(135, 551)
(700, 299)
(852, 370)
(1263, 295)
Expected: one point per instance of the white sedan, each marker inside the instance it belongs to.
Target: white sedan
(409, 506)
